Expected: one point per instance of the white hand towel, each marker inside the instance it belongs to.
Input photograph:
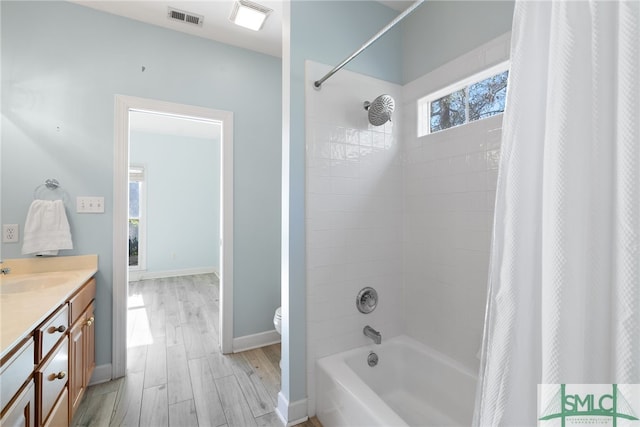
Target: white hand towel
(46, 229)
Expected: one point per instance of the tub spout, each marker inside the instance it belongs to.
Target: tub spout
(373, 334)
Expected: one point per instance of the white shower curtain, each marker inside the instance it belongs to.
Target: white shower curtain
(564, 285)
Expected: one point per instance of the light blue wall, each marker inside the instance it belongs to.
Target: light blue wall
(439, 31)
(183, 206)
(326, 32)
(63, 63)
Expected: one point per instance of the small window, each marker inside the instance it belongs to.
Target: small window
(136, 218)
(477, 97)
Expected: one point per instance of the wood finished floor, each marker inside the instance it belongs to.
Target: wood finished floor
(176, 375)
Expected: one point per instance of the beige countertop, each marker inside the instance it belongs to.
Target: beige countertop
(34, 288)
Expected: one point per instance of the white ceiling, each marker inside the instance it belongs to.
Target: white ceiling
(216, 24)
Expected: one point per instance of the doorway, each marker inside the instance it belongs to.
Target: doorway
(126, 107)
(174, 196)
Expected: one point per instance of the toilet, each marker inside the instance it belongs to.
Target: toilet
(277, 320)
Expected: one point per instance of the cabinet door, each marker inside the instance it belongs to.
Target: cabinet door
(22, 412)
(76, 365)
(59, 416)
(90, 345)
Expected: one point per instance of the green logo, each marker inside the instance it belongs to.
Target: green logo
(587, 404)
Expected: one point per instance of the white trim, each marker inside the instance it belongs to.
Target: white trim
(226, 235)
(124, 104)
(261, 339)
(101, 374)
(291, 413)
(147, 275)
(120, 237)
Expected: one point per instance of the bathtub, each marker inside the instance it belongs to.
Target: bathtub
(411, 385)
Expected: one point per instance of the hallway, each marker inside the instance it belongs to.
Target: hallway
(176, 374)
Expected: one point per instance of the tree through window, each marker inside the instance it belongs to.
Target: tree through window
(486, 98)
(475, 98)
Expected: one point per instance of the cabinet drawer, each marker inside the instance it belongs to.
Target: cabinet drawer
(52, 331)
(52, 378)
(16, 371)
(82, 299)
(22, 412)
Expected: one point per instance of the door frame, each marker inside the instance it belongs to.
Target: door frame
(123, 105)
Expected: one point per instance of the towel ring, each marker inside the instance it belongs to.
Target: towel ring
(53, 185)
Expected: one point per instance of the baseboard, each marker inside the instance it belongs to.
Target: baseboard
(101, 374)
(134, 275)
(291, 413)
(249, 342)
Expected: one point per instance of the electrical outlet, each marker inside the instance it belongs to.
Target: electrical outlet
(10, 233)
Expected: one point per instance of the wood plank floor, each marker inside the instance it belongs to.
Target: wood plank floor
(176, 375)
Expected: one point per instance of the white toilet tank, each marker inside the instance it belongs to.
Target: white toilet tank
(277, 320)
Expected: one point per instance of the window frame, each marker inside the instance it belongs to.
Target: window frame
(424, 103)
(140, 177)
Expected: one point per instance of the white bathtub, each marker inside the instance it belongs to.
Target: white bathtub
(412, 385)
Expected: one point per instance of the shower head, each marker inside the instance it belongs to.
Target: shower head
(380, 109)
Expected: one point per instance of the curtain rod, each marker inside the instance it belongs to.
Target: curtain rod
(318, 83)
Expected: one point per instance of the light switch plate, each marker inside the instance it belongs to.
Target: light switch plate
(90, 204)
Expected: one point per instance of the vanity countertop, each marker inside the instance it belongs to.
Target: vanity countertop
(34, 289)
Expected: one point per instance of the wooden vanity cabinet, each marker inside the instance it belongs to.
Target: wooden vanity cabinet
(82, 344)
(43, 378)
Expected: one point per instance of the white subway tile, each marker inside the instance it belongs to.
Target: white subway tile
(352, 136)
(493, 139)
(476, 181)
(338, 151)
(493, 159)
(318, 184)
(492, 179)
(477, 161)
(352, 152)
(377, 139)
(365, 138)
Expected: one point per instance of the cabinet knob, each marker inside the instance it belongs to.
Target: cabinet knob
(60, 329)
(90, 321)
(60, 375)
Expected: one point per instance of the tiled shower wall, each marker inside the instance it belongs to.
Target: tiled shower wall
(353, 215)
(408, 216)
(449, 195)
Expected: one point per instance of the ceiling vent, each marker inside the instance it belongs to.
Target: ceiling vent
(182, 16)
